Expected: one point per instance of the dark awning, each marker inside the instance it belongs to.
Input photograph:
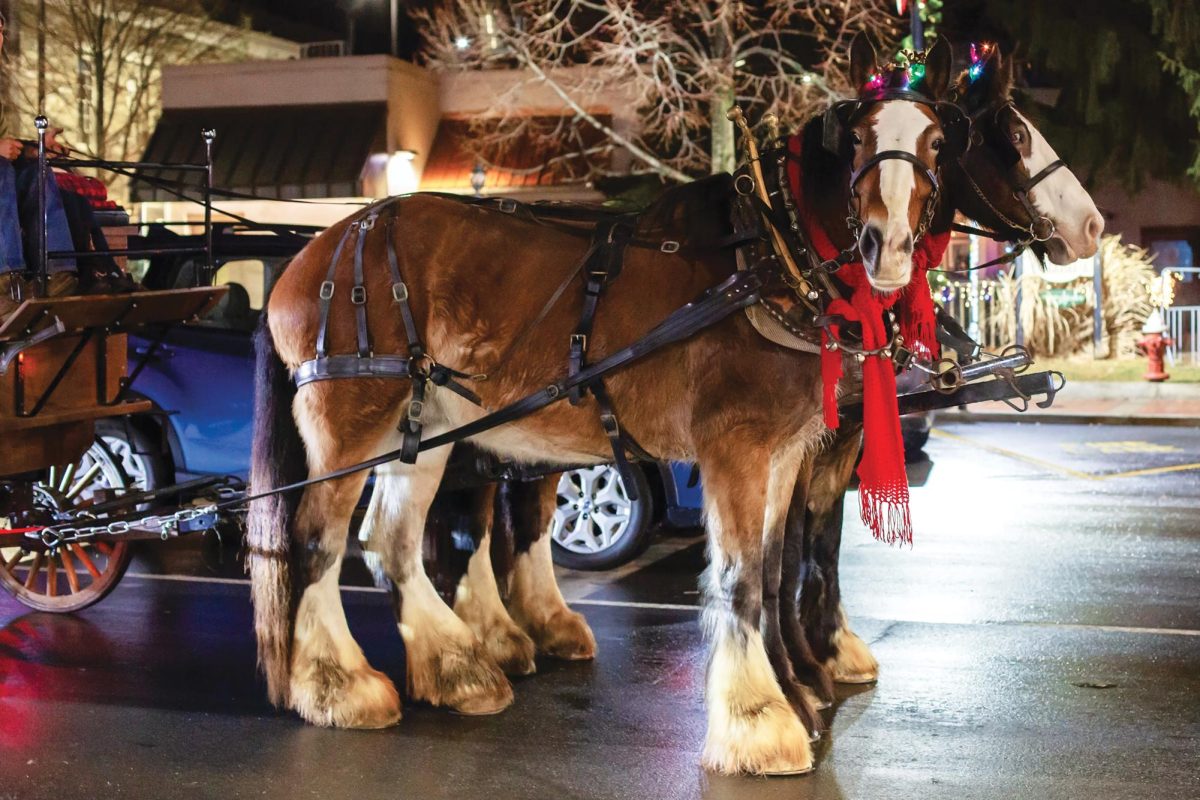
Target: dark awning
(277, 152)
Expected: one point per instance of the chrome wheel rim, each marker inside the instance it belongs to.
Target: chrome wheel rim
(593, 512)
(135, 466)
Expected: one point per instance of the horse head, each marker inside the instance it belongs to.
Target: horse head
(1013, 180)
(892, 138)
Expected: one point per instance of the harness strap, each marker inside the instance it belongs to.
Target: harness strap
(616, 438)
(347, 366)
(326, 294)
(887, 155)
(733, 294)
(603, 265)
(400, 295)
(358, 294)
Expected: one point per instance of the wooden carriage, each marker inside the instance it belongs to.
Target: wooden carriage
(63, 365)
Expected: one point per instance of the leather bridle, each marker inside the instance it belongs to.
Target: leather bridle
(1039, 227)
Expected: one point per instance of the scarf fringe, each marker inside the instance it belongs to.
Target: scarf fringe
(886, 513)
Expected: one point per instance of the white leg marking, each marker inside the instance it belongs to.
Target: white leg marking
(446, 663)
(751, 726)
(477, 603)
(331, 682)
(537, 606)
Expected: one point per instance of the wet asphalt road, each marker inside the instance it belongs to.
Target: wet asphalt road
(1041, 640)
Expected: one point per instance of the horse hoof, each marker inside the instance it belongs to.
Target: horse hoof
(852, 679)
(513, 651)
(853, 662)
(463, 678)
(566, 636)
(484, 705)
(768, 740)
(328, 696)
(818, 703)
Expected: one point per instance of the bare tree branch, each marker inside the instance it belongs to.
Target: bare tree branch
(679, 64)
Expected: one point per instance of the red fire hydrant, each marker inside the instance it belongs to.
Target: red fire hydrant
(1153, 345)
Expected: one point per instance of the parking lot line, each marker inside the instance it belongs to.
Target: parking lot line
(1050, 465)
(637, 605)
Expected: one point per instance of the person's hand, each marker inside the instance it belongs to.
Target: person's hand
(52, 143)
(10, 149)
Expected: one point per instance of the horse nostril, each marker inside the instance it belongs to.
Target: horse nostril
(907, 246)
(1094, 227)
(870, 243)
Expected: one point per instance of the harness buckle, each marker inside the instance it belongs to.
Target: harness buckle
(669, 247)
(611, 427)
(415, 409)
(507, 205)
(358, 295)
(400, 292)
(326, 290)
(580, 340)
(368, 223)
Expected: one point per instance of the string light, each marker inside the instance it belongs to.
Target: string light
(979, 54)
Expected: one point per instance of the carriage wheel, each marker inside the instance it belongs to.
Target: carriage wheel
(79, 574)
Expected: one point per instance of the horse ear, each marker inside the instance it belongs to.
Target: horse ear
(991, 85)
(938, 65)
(863, 61)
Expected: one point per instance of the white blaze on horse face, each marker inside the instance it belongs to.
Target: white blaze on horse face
(898, 126)
(1064, 201)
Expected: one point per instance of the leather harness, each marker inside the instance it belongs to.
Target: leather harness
(611, 235)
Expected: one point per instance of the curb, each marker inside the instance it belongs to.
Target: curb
(1066, 418)
(1130, 390)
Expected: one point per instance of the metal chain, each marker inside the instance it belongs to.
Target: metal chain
(56, 536)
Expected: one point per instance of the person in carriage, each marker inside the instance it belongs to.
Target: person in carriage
(71, 224)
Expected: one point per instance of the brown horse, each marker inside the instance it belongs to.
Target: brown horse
(1009, 151)
(820, 646)
(746, 410)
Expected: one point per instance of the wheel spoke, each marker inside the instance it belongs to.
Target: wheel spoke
(12, 562)
(85, 559)
(104, 547)
(84, 481)
(33, 571)
(65, 481)
(69, 568)
(51, 576)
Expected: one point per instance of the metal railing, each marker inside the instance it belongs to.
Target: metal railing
(1183, 327)
(44, 165)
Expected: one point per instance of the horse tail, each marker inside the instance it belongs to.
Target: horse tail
(277, 459)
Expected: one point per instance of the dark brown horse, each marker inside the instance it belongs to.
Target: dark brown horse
(746, 410)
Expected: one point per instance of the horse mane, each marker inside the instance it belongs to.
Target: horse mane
(697, 213)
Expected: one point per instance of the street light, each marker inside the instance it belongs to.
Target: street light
(401, 175)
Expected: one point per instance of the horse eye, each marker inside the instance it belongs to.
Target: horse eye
(1018, 137)
(854, 137)
(936, 144)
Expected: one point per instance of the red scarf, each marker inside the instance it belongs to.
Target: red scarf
(883, 483)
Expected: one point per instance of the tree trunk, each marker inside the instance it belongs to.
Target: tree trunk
(724, 149)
